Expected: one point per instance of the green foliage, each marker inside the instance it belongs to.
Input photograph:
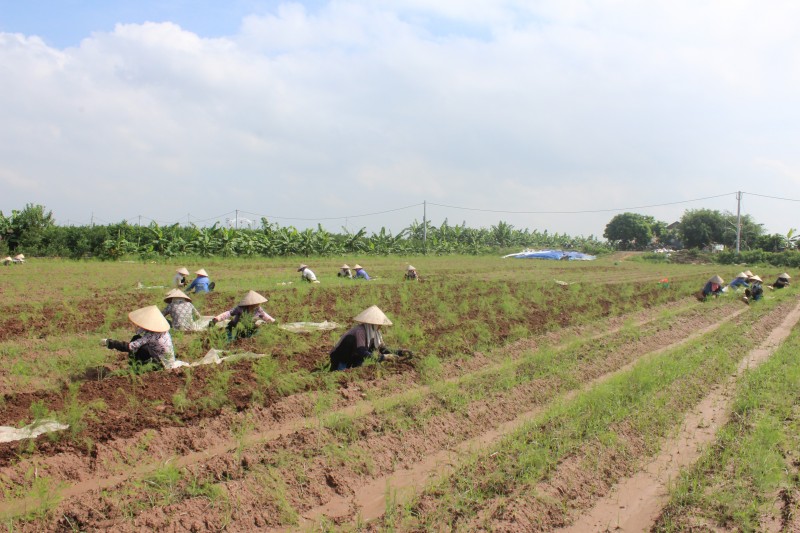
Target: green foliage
(703, 227)
(24, 230)
(787, 258)
(215, 395)
(631, 231)
(34, 230)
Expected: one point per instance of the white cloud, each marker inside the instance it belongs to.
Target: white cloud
(559, 105)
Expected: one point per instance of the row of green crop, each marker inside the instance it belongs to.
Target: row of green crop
(648, 401)
(750, 476)
(272, 240)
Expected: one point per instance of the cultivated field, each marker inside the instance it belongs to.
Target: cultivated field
(587, 396)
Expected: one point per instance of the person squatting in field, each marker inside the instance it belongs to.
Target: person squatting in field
(739, 281)
(411, 274)
(152, 343)
(712, 287)
(782, 281)
(360, 272)
(179, 280)
(360, 341)
(345, 272)
(755, 291)
(201, 283)
(180, 310)
(306, 274)
(249, 306)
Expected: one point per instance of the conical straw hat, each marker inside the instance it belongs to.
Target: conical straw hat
(410, 268)
(7, 259)
(202, 272)
(373, 315)
(176, 293)
(183, 270)
(149, 318)
(748, 273)
(357, 266)
(716, 279)
(754, 278)
(19, 256)
(742, 275)
(345, 266)
(301, 267)
(252, 298)
(785, 276)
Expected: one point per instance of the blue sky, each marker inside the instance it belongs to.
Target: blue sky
(317, 111)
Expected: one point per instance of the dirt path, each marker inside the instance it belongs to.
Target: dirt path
(370, 500)
(103, 478)
(635, 503)
(331, 490)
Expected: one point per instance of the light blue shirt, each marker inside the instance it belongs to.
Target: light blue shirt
(199, 284)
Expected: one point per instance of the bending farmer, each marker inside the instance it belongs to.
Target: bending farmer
(360, 341)
(152, 342)
(249, 306)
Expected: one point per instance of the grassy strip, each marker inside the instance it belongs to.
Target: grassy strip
(557, 370)
(338, 445)
(651, 399)
(739, 482)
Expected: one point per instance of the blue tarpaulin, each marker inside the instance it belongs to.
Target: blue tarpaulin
(552, 254)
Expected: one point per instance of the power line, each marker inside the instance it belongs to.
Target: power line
(214, 218)
(772, 197)
(334, 218)
(194, 220)
(579, 211)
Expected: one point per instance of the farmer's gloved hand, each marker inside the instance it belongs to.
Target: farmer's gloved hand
(104, 342)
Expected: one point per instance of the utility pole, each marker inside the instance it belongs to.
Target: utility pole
(738, 221)
(425, 227)
(237, 219)
(91, 220)
(140, 221)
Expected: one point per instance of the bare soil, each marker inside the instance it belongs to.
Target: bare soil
(140, 431)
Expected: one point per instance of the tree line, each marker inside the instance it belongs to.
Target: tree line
(33, 231)
(697, 229)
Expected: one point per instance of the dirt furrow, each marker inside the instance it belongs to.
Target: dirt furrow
(370, 500)
(635, 503)
(220, 448)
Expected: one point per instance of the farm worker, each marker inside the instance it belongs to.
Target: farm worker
(739, 281)
(411, 274)
(782, 281)
(152, 341)
(200, 283)
(249, 305)
(181, 310)
(306, 274)
(360, 272)
(7, 261)
(179, 280)
(360, 341)
(344, 271)
(712, 286)
(755, 291)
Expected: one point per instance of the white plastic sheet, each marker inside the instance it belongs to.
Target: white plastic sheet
(31, 431)
(215, 357)
(307, 327)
